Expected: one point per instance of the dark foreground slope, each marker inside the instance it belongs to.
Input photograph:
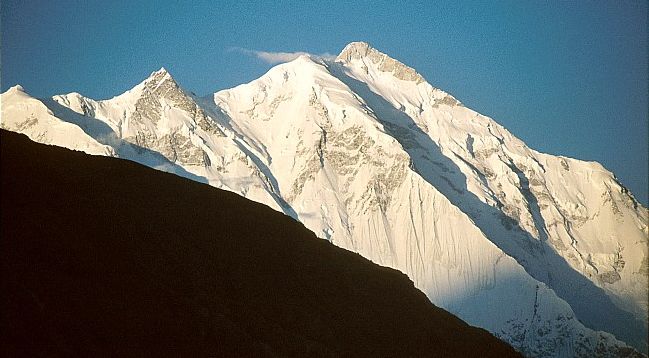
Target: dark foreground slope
(106, 257)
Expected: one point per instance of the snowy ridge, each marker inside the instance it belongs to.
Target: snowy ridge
(548, 253)
(24, 114)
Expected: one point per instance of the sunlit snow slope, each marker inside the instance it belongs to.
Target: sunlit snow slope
(549, 253)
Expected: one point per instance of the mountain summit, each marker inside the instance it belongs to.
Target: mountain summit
(547, 252)
(362, 51)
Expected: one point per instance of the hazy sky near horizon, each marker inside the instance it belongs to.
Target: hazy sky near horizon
(568, 78)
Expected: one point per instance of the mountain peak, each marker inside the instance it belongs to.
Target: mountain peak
(159, 75)
(160, 79)
(364, 52)
(162, 70)
(16, 88)
(160, 82)
(356, 49)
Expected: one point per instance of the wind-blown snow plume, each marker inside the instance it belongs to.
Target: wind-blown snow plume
(279, 57)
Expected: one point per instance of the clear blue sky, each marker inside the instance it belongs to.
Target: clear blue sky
(568, 78)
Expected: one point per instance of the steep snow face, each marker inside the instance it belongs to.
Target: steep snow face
(543, 251)
(586, 230)
(371, 165)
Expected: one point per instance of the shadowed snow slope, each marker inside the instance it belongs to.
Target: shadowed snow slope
(104, 257)
(371, 157)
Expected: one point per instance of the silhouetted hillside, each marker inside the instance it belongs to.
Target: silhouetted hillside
(106, 257)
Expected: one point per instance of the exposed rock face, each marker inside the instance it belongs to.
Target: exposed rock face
(159, 93)
(362, 50)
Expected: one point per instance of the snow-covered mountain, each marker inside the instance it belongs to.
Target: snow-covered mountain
(548, 253)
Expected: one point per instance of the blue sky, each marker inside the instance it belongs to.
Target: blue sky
(568, 78)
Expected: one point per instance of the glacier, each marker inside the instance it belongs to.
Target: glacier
(548, 253)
